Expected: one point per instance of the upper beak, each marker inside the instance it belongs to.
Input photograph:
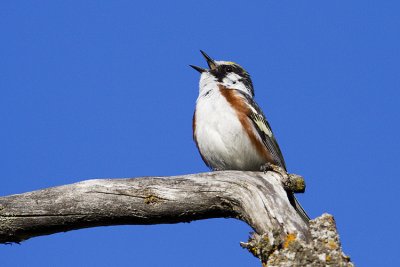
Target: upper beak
(210, 62)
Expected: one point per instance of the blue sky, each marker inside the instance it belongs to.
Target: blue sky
(99, 89)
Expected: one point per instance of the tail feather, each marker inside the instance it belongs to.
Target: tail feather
(296, 204)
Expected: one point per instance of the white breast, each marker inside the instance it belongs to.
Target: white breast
(220, 137)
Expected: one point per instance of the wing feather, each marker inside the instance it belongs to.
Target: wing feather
(265, 132)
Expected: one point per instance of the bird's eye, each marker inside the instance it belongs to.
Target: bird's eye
(229, 69)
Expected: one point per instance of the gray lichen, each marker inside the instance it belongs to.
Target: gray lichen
(324, 249)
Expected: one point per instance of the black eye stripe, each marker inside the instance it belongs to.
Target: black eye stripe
(232, 68)
(223, 70)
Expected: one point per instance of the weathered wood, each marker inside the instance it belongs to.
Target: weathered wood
(257, 198)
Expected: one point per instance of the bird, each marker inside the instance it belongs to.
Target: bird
(229, 128)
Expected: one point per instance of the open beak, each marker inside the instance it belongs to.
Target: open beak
(210, 62)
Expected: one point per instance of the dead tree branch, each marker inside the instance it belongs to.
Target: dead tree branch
(258, 199)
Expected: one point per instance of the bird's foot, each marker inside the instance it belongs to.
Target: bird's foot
(272, 167)
(291, 182)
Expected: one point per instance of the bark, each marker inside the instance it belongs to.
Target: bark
(257, 198)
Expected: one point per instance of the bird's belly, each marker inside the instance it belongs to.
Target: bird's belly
(222, 140)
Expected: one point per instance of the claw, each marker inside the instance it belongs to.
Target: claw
(272, 167)
(291, 182)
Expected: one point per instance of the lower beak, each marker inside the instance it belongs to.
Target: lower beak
(201, 70)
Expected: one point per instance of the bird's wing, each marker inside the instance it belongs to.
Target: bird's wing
(264, 131)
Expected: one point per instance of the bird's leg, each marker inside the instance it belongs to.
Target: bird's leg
(291, 182)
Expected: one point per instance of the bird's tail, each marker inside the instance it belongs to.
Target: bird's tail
(296, 204)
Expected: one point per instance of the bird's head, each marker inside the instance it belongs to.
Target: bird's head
(225, 73)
